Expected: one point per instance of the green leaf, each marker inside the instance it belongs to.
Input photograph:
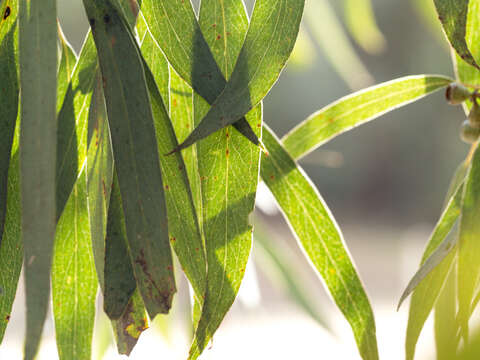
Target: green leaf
(11, 249)
(135, 150)
(9, 100)
(327, 30)
(453, 16)
(469, 247)
(426, 293)
(66, 67)
(38, 79)
(268, 44)
(358, 108)
(118, 272)
(74, 281)
(360, 20)
(320, 238)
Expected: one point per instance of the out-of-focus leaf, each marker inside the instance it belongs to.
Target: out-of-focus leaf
(453, 16)
(135, 150)
(469, 247)
(228, 167)
(11, 250)
(360, 19)
(445, 324)
(9, 91)
(320, 238)
(358, 108)
(303, 54)
(285, 270)
(38, 81)
(74, 281)
(268, 44)
(426, 293)
(175, 28)
(327, 30)
(118, 272)
(465, 73)
(427, 12)
(67, 64)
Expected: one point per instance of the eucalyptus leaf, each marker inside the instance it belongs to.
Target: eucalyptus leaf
(38, 80)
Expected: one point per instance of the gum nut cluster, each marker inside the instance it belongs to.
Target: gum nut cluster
(457, 94)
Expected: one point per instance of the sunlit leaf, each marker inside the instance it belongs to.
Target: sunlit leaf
(228, 168)
(135, 151)
(268, 44)
(38, 80)
(358, 108)
(453, 16)
(445, 320)
(66, 66)
(427, 291)
(321, 239)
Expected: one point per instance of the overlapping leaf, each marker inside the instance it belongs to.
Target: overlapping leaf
(137, 163)
(269, 42)
(320, 237)
(427, 291)
(453, 16)
(38, 79)
(358, 108)
(9, 89)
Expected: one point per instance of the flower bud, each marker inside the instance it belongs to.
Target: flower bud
(456, 93)
(468, 133)
(474, 115)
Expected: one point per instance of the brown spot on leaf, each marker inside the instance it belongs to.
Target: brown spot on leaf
(7, 13)
(7, 318)
(219, 37)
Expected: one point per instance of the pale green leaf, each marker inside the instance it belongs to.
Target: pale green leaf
(358, 108)
(38, 81)
(135, 150)
(74, 280)
(321, 239)
(268, 44)
(453, 16)
(445, 320)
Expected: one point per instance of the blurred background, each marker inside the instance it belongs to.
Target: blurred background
(384, 182)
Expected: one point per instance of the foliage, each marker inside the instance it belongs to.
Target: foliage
(152, 141)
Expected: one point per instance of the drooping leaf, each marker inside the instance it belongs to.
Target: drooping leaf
(38, 80)
(469, 248)
(327, 30)
(356, 109)
(453, 16)
(228, 168)
(135, 151)
(320, 237)
(118, 272)
(360, 19)
(11, 249)
(268, 44)
(74, 281)
(9, 93)
(427, 291)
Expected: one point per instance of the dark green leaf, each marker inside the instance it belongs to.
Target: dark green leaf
(453, 16)
(320, 237)
(358, 108)
(38, 81)
(9, 100)
(269, 42)
(135, 150)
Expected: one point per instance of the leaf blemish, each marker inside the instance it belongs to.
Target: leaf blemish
(7, 13)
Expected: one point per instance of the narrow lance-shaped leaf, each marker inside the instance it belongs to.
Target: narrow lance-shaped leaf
(320, 238)
(269, 42)
(135, 151)
(427, 291)
(453, 16)
(228, 168)
(38, 79)
(9, 93)
(358, 108)
(469, 247)
(74, 281)
(175, 28)
(68, 60)
(133, 321)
